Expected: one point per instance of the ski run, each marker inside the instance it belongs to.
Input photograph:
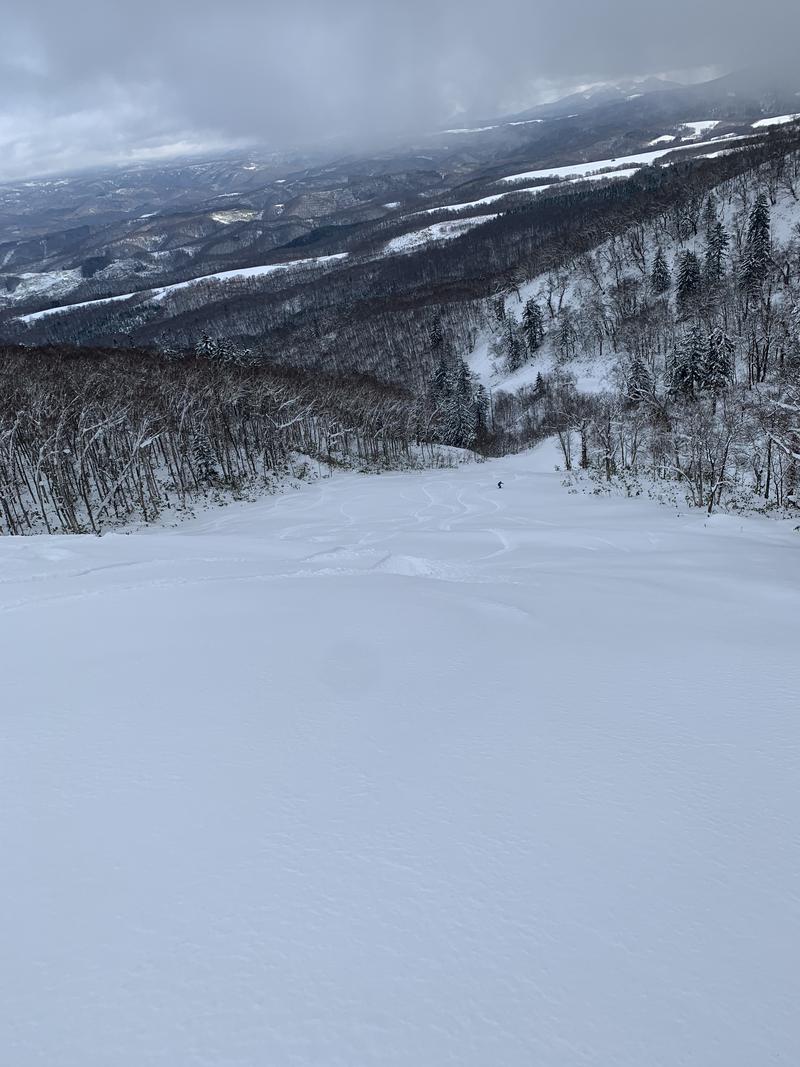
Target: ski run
(406, 769)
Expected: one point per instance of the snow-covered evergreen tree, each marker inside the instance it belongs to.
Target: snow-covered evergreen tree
(533, 326)
(482, 413)
(460, 415)
(436, 337)
(717, 242)
(717, 364)
(660, 277)
(688, 364)
(758, 248)
(689, 282)
(515, 355)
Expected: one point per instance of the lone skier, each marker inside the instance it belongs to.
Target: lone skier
(499, 485)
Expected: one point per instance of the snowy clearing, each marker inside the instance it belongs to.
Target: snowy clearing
(403, 770)
(43, 284)
(778, 120)
(165, 290)
(234, 215)
(699, 128)
(640, 159)
(614, 175)
(439, 231)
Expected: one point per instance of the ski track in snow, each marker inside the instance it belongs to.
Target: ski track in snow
(403, 770)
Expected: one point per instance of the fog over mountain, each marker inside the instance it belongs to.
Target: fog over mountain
(113, 82)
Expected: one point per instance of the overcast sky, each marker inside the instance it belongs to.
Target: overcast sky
(98, 80)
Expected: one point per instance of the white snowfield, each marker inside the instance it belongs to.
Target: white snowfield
(403, 770)
(221, 277)
(612, 175)
(439, 231)
(704, 126)
(640, 159)
(777, 120)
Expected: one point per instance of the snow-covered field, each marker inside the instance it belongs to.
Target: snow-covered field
(406, 769)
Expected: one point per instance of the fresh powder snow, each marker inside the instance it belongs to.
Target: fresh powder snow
(403, 770)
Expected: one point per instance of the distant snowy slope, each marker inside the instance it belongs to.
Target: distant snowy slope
(777, 120)
(615, 175)
(439, 231)
(639, 159)
(165, 290)
(403, 770)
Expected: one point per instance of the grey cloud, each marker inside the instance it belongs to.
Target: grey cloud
(103, 79)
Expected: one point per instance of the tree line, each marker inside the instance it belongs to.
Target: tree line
(89, 439)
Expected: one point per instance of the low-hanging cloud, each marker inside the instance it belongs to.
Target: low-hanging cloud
(153, 78)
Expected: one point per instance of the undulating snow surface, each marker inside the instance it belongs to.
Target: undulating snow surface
(403, 770)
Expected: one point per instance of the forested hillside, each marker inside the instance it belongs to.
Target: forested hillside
(646, 314)
(89, 440)
(673, 348)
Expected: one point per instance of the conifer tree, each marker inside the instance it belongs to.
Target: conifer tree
(758, 251)
(660, 278)
(710, 216)
(689, 281)
(482, 413)
(688, 365)
(514, 352)
(533, 326)
(436, 337)
(717, 242)
(717, 360)
(460, 415)
(440, 377)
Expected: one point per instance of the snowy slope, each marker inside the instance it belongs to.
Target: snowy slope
(220, 278)
(639, 159)
(613, 175)
(403, 770)
(777, 120)
(439, 231)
